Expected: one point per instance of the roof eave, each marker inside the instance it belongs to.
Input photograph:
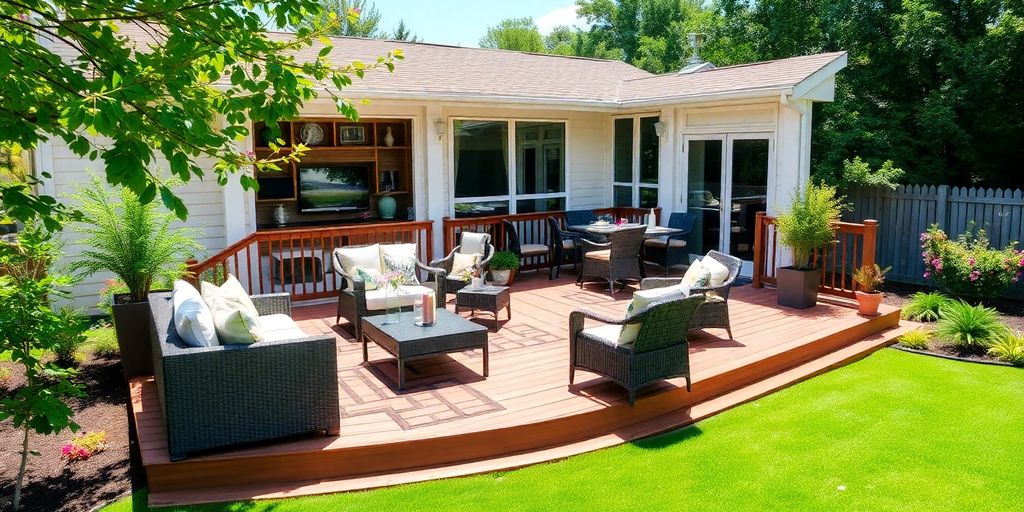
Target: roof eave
(815, 79)
(743, 94)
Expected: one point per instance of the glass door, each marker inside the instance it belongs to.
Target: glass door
(727, 184)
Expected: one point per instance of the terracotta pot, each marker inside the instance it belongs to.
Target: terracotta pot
(867, 303)
(797, 288)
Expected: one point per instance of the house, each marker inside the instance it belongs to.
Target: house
(464, 131)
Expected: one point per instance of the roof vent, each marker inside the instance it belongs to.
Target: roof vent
(695, 64)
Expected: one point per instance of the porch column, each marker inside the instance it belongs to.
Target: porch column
(236, 209)
(667, 164)
(436, 206)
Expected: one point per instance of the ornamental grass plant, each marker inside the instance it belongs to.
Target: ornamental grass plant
(808, 224)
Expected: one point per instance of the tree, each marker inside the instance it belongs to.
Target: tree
(404, 34)
(334, 16)
(519, 34)
(202, 73)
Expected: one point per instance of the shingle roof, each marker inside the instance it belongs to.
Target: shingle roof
(452, 72)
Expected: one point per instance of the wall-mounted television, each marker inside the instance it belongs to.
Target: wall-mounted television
(334, 188)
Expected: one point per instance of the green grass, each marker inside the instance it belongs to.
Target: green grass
(895, 431)
(99, 341)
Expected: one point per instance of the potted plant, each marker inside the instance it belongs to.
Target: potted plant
(806, 226)
(137, 243)
(869, 278)
(503, 266)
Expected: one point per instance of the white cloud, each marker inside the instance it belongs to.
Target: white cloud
(561, 16)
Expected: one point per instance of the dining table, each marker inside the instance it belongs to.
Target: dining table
(599, 229)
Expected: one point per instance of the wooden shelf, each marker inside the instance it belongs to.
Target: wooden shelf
(283, 200)
(392, 193)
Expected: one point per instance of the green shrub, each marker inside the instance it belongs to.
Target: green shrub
(925, 307)
(870, 278)
(969, 327)
(504, 260)
(1009, 348)
(69, 338)
(916, 339)
(807, 224)
(967, 266)
(103, 341)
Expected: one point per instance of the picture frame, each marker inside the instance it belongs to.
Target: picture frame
(351, 135)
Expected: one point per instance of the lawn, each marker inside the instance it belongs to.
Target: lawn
(895, 431)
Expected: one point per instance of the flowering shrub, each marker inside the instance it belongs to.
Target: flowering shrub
(967, 266)
(84, 446)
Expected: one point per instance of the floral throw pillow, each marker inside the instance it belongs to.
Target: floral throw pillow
(403, 265)
(370, 277)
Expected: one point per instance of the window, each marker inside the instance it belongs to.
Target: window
(635, 156)
(484, 154)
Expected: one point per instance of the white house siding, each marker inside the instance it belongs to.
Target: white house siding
(205, 200)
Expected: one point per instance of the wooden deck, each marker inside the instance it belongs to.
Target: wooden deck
(450, 421)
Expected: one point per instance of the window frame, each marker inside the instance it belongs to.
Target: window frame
(635, 185)
(512, 198)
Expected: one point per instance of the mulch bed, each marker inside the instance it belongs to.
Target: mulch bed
(1011, 313)
(51, 483)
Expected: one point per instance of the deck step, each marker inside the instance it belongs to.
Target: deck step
(660, 413)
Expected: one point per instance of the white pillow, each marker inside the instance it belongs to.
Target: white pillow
(367, 257)
(644, 298)
(401, 258)
(193, 319)
(234, 315)
(696, 276)
(719, 272)
(369, 275)
(473, 243)
(461, 262)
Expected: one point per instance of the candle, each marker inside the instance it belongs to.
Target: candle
(429, 307)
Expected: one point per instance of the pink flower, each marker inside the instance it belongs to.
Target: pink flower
(927, 275)
(1021, 262)
(937, 263)
(975, 275)
(970, 261)
(924, 236)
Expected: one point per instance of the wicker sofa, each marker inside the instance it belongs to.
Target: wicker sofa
(660, 351)
(224, 395)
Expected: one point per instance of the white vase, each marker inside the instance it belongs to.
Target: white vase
(389, 139)
(280, 215)
(476, 283)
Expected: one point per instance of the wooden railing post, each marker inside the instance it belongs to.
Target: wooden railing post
(870, 235)
(759, 247)
(191, 275)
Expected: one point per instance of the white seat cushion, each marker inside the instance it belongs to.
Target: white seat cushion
(407, 295)
(644, 298)
(367, 257)
(674, 243)
(719, 272)
(696, 276)
(193, 319)
(280, 327)
(604, 254)
(533, 249)
(234, 315)
(473, 243)
(619, 335)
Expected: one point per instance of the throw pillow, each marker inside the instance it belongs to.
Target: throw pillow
(644, 298)
(696, 276)
(403, 264)
(193, 319)
(473, 243)
(370, 276)
(461, 262)
(719, 272)
(367, 257)
(234, 315)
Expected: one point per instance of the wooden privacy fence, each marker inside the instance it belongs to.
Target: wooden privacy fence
(298, 261)
(531, 227)
(908, 211)
(854, 246)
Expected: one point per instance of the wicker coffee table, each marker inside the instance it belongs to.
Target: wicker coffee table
(408, 341)
(488, 298)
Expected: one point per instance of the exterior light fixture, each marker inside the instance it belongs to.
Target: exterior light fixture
(659, 129)
(440, 126)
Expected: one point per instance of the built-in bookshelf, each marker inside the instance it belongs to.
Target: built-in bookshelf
(333, 142)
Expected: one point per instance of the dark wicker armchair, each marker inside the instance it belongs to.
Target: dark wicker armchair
(455, 283)
(353, 304)
(566, 247)
(514, 244)
(219, 396)
(659, 352)
(714, 313)
(616, 260)
(671, 250)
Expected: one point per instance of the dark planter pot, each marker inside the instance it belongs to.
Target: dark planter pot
(798, 288)
(131, 323)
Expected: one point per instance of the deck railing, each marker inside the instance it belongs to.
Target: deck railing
(531, 227)
(854, 246)
(298, 261)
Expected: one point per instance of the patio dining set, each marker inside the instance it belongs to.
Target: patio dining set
(285, 382)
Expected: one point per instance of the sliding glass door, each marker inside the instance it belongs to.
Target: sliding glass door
(727, 184)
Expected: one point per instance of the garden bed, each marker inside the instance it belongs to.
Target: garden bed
(53, 484)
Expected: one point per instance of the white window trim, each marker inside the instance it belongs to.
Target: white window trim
(635, 185)
(512, 197)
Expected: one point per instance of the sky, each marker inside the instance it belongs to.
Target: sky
(464, 22)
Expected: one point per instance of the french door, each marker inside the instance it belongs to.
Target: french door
(727, 178)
